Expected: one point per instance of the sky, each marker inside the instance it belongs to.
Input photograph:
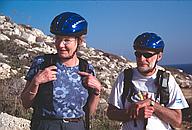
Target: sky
(114, 25)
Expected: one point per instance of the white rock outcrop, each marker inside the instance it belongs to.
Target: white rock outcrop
(8, 122)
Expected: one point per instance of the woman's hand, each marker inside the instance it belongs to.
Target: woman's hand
(46, 75)
(91, 81)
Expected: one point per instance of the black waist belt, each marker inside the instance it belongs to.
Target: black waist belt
(66, 120)
(72, 119)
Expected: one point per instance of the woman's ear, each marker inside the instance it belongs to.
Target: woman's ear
(159, 56)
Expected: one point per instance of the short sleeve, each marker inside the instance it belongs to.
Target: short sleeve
(116, 92)
(91, 69)
(176, 97)
(36, 65)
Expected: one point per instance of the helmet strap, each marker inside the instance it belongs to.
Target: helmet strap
(151, 70)
(153, 66)
(70, 57)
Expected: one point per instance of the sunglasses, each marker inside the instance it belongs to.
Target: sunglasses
(145, 54)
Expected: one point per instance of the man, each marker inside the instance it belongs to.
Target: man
(142, 108)
(56, 87)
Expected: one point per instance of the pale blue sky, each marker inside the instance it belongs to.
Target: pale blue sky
(113, 25)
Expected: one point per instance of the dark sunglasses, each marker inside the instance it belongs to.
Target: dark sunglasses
(145, 54)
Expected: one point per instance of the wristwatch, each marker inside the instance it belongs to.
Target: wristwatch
(152, 103)
(96, 92)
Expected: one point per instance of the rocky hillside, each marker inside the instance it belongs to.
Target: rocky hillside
(19, 44)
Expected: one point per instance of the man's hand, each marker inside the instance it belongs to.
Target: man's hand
(46, 75)
(141, 109)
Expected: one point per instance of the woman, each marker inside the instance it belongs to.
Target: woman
(56, 87)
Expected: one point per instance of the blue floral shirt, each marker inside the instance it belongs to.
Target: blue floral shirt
(69, 95)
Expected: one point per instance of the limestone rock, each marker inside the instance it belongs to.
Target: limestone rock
(8, 122)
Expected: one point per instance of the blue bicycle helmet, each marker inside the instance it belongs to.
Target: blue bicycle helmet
(69, 24)
(149, 41)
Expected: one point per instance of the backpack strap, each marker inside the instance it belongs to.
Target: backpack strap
(128, 86)
(162, 80)
(49, 59)
(83, 66)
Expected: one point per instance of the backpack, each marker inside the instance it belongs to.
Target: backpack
(161, 81)
(51, 59)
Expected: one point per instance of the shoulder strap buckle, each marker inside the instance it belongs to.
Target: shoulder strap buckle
(162, 80)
